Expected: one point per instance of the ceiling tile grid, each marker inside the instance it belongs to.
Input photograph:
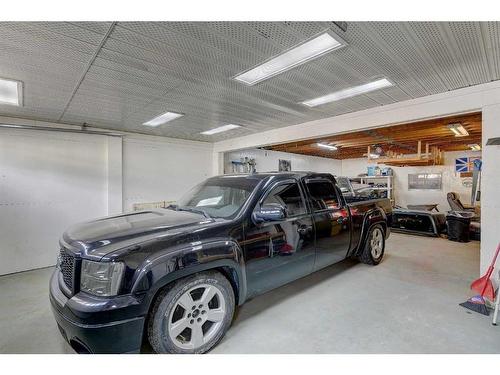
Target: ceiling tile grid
(47, 63)
(470, 43)
(138, 70)
(396, 38)
(436, 47)
(491, 32)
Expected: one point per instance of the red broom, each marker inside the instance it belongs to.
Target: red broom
(484, 286)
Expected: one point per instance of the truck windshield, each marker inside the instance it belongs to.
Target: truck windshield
(220, 197)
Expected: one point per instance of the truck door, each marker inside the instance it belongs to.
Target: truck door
(280, 251)
(332, 222)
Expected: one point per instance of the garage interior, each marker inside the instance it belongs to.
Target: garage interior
(100, 118)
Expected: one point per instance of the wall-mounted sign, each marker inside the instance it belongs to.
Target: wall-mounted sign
(425, 181)
(465, 164)
(285, 165)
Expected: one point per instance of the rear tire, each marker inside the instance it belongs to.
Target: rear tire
(374, 248)
(193, 315)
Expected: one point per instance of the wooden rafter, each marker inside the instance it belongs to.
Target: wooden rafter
(431, 156)
(395, 139)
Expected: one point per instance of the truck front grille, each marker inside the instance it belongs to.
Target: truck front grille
(67, 264)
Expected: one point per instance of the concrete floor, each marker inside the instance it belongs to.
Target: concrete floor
(407, 304)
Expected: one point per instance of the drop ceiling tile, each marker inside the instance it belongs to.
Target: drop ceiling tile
(142, 69)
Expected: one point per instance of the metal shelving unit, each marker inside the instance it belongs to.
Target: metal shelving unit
(389, 185)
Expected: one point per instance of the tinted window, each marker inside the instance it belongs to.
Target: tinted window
(323, 195)
(288, 196)
(218, 197)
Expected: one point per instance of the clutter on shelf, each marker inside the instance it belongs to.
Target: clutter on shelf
(244, 165)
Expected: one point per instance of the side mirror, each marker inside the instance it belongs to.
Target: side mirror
(268, 212)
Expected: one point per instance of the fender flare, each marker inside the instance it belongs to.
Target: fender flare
(164, 267)
(371, 218)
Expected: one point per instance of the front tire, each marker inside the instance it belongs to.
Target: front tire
(374, 248)
(193, 315)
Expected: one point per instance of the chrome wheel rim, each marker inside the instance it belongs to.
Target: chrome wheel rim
(377, 243)
(196, 317)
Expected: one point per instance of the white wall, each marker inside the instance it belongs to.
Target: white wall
(490, 194)
(162, 169)
(47, 181)
(50, 180)
(267, 161)
(451, 180)
(114, 174)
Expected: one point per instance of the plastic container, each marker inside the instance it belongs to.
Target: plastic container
(373, 170)
(458, 226)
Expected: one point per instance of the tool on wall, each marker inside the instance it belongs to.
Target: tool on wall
(476, 182)
(484, 286)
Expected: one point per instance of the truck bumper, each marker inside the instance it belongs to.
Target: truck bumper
(86, 328)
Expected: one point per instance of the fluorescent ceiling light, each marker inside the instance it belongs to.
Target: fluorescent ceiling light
(221, 129)
(328, 146)
(163, 119)
(296, 56)
(350, 92)
(475, 147)
(458, 130)
(11, 92)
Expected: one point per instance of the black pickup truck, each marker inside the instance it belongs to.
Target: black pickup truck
(175, 275)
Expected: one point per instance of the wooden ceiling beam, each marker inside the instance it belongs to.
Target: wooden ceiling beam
(428, 136)
(401, 139)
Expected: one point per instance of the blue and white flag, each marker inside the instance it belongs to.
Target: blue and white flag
(462, 165)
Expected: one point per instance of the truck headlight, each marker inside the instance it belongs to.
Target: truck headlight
(101, 278)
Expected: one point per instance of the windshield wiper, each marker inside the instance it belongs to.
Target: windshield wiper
(188, 209)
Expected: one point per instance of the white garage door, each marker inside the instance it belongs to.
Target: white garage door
(48, 181)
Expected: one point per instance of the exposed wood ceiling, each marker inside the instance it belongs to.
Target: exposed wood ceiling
(401, 139)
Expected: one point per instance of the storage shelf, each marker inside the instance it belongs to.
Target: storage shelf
(386, 180)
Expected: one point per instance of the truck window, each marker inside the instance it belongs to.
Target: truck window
(323, 195)
(218, 197)
(287, 195)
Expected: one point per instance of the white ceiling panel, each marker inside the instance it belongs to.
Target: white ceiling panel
(117, 75)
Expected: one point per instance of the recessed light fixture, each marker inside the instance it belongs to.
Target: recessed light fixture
(221, 129)
(11, 92)
(304, 52)
(458, 130)
(475, 147)
(350, 92)
(328, 146)
(163, 119)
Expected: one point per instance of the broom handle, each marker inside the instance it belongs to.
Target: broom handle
(495, 314)
(490, 268)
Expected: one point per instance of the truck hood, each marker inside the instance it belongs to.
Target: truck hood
(102, 236)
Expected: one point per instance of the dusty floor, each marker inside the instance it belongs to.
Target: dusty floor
(407, 304)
